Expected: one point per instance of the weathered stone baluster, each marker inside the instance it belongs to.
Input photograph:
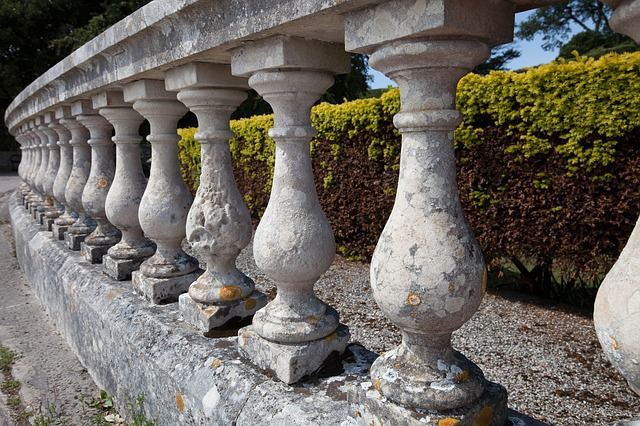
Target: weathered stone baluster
(55, 209)
(23, 140)
(45, 201)
(94, 195)
(35, 164)
(293, 243)
(616, 313)
(166, 199)
(123, 200)
(84, 225)
(219, 222)
(427, 272)
(68, 217)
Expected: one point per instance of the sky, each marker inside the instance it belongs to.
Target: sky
(532, 54)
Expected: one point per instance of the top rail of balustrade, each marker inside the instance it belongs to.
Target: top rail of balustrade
(167, 33)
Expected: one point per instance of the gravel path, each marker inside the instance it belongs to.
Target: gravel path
(547, 356)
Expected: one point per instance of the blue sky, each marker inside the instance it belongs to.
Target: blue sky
(532, 54)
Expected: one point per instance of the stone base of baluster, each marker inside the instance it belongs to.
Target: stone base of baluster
(160, 290)
(40, 217)
(93, 254)
(74, 240)
(208, 317)
(368, 406)
(291, 362)
(121, 269)
(48, 222)
(59, 231)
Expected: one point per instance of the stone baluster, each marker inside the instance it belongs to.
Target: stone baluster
(68, 217)
(219, 222)
(94, 194)
(616, 312)
(427, 272)
(23, 140)
(35, 159)
(293, 244)
(123, 200)
(55, 208)
(45, 201)
(85, 224)
(166, 199)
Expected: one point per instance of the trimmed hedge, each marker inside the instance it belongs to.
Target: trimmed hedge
(547, 164)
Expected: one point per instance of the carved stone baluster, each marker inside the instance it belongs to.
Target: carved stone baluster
(55, 208)
(34, 141)
(41, 201)
(293, 244)
(68, 217)
(124, 197)
(166, 200)
(94, 195)
(616, 313)
(84, 225)
(427, 272)
(219, 222)
(23, 140)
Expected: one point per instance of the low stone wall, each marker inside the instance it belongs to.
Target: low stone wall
(132, 348)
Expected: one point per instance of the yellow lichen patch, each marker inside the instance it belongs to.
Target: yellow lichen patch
(484, 281)
(230, 292)
(485, 417)
(209, 310)
(249, 303)
(377, 384)
(216, 363)
(312, 320)
(452, 288)
(103, 183)
(614, 343)
(463, 377)
(179, 402)
(448, 421)
(331, 337)
(413, 299)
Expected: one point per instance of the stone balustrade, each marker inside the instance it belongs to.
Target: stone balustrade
(83, 181)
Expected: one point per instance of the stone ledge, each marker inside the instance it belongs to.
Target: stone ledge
(132, 348)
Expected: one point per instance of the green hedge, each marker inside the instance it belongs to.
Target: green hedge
(547, 163)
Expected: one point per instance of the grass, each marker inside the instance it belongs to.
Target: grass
(7, 358)
(10, 386)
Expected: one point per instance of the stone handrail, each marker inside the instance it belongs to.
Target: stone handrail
(427, 273)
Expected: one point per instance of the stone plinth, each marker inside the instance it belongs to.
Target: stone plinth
(367, 406)
(208, 317)
(92, 254)
(74, 240)
(290, 362)
(59, 231)
(120, 269)
(162, 290)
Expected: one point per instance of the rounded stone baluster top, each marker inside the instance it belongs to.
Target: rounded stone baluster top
(427, 272)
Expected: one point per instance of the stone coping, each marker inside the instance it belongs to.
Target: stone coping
(132, 348)
(167, 33)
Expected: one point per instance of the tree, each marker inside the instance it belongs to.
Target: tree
(500, 56)
(557, 23)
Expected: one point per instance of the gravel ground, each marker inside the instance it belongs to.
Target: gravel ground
(546, 355)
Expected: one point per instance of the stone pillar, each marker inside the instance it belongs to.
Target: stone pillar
(616, 313)
(293, 244)
(85, 224)
(33, 196)
(54, 209)
(23, 140)
(219, 222)
(123, 200)
(166, 199)
(427, 272)
(45, 199)
(94, 194)
(32, 159)
(68, 217)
